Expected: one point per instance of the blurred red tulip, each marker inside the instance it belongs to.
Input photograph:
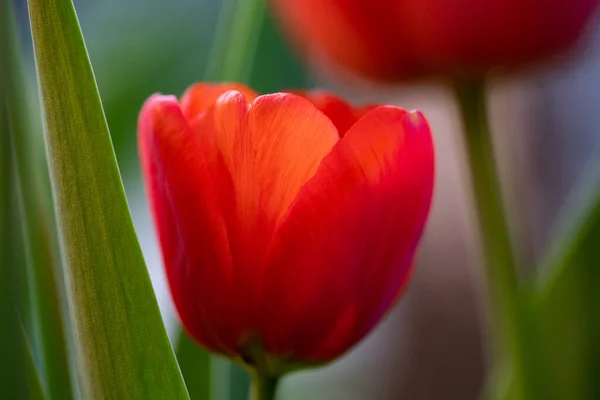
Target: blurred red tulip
(282, 225)
(400, 39)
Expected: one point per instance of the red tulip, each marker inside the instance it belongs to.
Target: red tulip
(280, 225)
(399, 39)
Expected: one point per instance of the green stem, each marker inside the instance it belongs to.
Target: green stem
(236, 40)
(264, 386)
(499, 258)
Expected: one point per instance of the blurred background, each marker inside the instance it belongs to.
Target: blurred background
(546, 126)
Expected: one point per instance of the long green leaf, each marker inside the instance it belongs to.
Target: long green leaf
(18, 379)
(569, 303)
(36, 224)
(32, 384)
(578, 223)
(10, 364)
(123, 349)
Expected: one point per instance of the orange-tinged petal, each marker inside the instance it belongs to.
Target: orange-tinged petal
(222, 124)
(201, 96)
(344, 250)
(280, 148)
(285, 140)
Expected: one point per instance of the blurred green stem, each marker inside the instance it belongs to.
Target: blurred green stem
(237, 36)
(495, 238)
(264, 387)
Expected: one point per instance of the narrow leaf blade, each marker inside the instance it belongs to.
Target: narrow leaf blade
(570, 299)
(32, 385)
(40, 249)
(18, 376)
(123, 349)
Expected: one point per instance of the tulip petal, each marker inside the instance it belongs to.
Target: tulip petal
(344, 250)
(180, 176)
(199, 97)
(285, 140)
(340, 112)
(280, 148)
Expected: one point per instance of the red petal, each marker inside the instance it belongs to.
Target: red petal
(181, 178)
(344, 250)
(199, 97)
(340, 112)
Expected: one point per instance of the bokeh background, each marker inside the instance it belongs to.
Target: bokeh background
(546, 124)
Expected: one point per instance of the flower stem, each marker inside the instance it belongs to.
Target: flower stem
(263, 386)
(498, 252)
(237, 36)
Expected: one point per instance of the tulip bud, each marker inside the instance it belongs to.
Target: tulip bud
(391, 40)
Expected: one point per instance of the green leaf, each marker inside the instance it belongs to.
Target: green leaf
(32, 384)
(569, 296)
(43, 270)
(578, 226)
(566, 337)
(10, 363)
(123, 349)
(18, 379)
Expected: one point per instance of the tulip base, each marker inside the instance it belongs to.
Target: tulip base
(263, 386)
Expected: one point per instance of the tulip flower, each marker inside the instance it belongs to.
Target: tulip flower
(401, 39)
(288, 228)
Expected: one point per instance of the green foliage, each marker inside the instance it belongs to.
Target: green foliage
(43, 314)
(569, 297)
(18, 377)
(122, 346)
